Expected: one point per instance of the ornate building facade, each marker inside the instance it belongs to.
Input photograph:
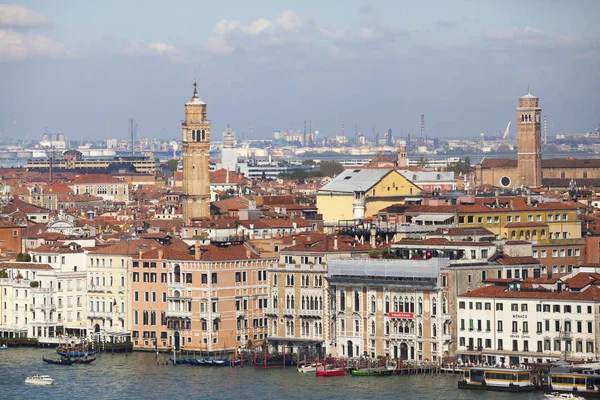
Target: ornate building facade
(196, 147)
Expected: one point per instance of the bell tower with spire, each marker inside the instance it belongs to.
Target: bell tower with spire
(195, 152)
(529, 141)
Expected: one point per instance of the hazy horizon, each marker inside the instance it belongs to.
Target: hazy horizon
(69, 66)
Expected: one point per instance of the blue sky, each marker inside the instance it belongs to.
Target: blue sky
(70, 65)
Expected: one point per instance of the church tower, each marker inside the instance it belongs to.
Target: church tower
(195, 153)
(529, 141)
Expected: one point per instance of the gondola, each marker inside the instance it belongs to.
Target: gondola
(60, 361)
(84, 360)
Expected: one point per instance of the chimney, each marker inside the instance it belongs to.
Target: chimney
(497, 193)
(512, 204)
(335, 242)
(197, 250)
(372, 238)
(293, 240)
(160, 254)
(528, 192)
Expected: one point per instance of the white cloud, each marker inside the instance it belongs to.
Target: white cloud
(17, 16)
(16, 46)
(530, 37)
(155, 48)
(289, 28)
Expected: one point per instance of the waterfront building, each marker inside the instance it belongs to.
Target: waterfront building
(109, 288)
(541, 319)
(195, 153)
(67, 291)
(23, 313)
(388, 307)
(149, 303)
(299, 307)
(358, 193)
(142, 164)
(216, 298)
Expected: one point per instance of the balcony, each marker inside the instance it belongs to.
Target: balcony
(178, 314)
(288, 311)
(447, 337)
(99, 288)
(240, 313)
(309, 313)
(99, 314)
(176, 285)
(271, 311)
(44, 307)
(206, 315)
(121, 315)
(121, 289)
(42, 290)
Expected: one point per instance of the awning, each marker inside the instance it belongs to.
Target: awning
(433, 217)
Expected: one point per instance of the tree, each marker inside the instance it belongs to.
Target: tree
(23, 257)
(172, 165)
(3, 274)
(331, 168)
(308, 162)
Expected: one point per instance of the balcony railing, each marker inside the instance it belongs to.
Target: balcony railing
(178, 314)
(176, 285)
(271, 311)
(309, 313)
(99, 314)
(121, 289)
(240, 313)
(288, 311)
(206, 315)
(99, 288)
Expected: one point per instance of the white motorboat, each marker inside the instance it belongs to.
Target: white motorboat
(40, 380)
(562, 396)
(307, 368)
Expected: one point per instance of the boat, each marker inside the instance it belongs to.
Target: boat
(330, 370)
(3, 347)
(372, 371)
(222, 362)
(40, 380)
(83, 360)
(59, 361)
(561, 396)
(304, 368)
(580, 379)
(500, 379)
(178, 361)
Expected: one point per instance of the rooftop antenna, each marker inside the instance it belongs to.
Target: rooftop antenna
(132, 134)
(422, 127)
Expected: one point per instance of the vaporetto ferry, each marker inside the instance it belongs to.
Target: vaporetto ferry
(499, 379)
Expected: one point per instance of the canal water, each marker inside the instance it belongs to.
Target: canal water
(137, 376)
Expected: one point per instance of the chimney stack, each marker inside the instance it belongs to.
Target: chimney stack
(293, 240)
(335, 242)
(528, 192)
(497, 193)
(197, 251)
(160, 254)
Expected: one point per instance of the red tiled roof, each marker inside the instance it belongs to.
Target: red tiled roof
(443, 242)
(24, 265)
(499, 163)
(326, 244)
(502, 292)
(22, 206)
(582, 280)
(95, 178)
(484, 205)
(508, 260)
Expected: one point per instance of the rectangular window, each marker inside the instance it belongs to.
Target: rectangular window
(499, 307)
(213, 277)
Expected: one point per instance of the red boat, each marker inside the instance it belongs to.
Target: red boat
(333, 370)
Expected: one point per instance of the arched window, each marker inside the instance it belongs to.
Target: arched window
(274, 327)
(420, 333)
(292, 300)
(420, 307)
(274, 301)
(434, 306)
(434, 331)
(562, 174)
(395, 304)
(444, 310)
(373, 304)
(406, 305)
(342, 301)
(177, 272)
(303, 304)
(387, 328)
(585, 174)
(288, 301)
(387, 304)
(372, 327)
(356, 301)
(412, 304)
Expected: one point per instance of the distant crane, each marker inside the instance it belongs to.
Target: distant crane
(506, 131)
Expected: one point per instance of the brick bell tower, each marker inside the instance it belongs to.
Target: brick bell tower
(195, 153)
(529, 141)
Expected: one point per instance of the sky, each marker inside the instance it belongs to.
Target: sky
(70, 66)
